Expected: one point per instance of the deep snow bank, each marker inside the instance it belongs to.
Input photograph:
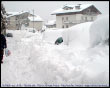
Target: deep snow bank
(99, 31)
(36, 62)
(52, 35)
(77, 36)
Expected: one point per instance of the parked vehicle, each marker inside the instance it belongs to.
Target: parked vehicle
(59, 41)
(9, 35)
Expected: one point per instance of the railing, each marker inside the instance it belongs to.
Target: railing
(76, 21)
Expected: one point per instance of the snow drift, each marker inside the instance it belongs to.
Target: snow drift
(77, 36)
(99, 31)
(51, 35)
(39, 63)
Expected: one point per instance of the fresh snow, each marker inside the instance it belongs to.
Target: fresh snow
(61, 10)
(15, 13)
(51, 22)
(77, 36)
(36, 61)
(35, 18)
(99, 31)
(51, 34)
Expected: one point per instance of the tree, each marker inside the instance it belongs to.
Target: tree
(3, 20)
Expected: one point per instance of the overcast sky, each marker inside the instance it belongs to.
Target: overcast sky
(44, 8)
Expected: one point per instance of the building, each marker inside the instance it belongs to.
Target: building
(35, 21)
(51, 24)
(16, 19)
(70, 15)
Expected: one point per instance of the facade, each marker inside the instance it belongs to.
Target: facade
(16, 20)
(70, 15)
(35, 22)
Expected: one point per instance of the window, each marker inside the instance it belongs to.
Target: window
(62, 18)
(85, 18)
(66, 8)
(82, 18)
(63, 26)
(16, 24)
(89, 10)
(66, 18)
(66, 26)
(91, 18)
(77, 7)
(16, 18)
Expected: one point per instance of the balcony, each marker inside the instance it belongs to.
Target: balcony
(76, 22)
(73, 22)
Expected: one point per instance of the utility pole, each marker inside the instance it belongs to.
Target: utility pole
(33, 19)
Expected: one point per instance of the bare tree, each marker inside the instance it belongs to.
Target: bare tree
(3, 20)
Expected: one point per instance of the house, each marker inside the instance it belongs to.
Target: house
(35, 21)
(51, 24)
(70, 15)
(16, 19)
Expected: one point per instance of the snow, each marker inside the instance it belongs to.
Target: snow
(36, 61)
(99, 31)
(36, 18)
(12, 13)
(51, 35)
(52, 22)
(16, 13)
(61, 10)
(77, 36)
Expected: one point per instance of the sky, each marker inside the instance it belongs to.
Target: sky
(45, 8)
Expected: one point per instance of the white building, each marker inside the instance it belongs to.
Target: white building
(35, 22)
(70, 15)
(16, 19)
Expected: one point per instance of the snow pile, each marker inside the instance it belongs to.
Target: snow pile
(41, 63)
(51, 35)
(35, 18)
(77, 36)
(99, 31)
(52, 22)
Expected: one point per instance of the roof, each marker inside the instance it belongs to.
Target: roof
(52, 22)
(36, 18)
(10, 14)
(61, 10)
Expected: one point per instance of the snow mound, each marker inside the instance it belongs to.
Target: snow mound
(99, 31)
(51, 35)
(77, 36)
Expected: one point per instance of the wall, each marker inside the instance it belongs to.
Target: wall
(12, 23)
(37, 25)
(60, 23)
(73, 19)
(15, 22)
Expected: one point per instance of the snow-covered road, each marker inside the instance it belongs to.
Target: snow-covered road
(37, 62)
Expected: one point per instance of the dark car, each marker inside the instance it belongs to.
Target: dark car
(9, 35)
(59, 41)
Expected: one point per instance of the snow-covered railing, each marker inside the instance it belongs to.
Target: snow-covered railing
(76, 21)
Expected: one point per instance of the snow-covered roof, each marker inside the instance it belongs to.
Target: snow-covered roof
(62, 10)
(52, 22)
(15, 13)
(36, 18)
